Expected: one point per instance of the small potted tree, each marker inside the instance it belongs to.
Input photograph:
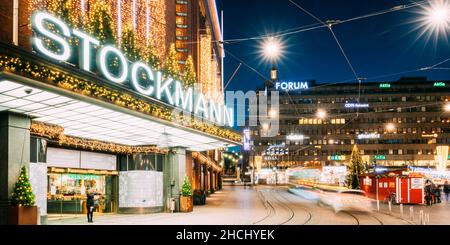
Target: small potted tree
(186, 200)
(22, 210)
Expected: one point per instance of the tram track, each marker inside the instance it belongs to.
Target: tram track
(284, 203)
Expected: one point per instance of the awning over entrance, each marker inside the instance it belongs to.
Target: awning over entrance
(86, 118)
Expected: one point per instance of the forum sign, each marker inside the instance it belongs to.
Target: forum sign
(159, 87)
(291, 86)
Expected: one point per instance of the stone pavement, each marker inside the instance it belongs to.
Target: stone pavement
(231, 206)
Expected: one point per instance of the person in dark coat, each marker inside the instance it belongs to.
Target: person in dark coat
(90, 205)
(446, 190)
(437, 194)
(428, 193)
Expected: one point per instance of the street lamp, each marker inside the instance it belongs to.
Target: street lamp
(273, 113)
(447, 107)
(435, 18)
(390, 127)
(321, 114)
(272, 48)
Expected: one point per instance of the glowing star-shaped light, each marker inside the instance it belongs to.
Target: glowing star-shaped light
(272, 48)
(435, 19)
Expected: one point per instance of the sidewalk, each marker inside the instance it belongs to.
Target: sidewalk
(439, 214)
(231, 206)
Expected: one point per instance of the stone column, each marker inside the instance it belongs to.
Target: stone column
(174, 172)
(211, 180)
(14, 153)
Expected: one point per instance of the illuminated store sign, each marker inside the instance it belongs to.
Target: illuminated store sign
(385, 85)
(356, 105)
(380, 157)
(291, 86)
(337, 158)
(368, 136)
(295, 137)
(158, 86)
(439, 84)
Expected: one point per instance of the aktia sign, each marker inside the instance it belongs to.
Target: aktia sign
(158, 87)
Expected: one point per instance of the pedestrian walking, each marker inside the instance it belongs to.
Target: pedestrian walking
(437, 194)
(446, 190)
(90, 205)
(428, 193)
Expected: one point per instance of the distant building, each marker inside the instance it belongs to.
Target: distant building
(393, 123)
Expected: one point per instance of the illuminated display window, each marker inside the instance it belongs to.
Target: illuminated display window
(181, 20)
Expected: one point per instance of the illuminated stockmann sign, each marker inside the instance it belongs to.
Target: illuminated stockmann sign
(290, 86)
(159, 86)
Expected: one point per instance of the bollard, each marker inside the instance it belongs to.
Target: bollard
(411, 213)
(427, 219)
(401, 209)
(378, 205)
(421, 217)
(390, 207)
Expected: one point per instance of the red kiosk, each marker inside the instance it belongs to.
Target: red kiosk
(395, 187)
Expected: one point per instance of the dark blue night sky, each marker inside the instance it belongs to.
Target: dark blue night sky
(376, 46)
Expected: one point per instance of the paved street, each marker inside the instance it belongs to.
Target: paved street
(264, 206)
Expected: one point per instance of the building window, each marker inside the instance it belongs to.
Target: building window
(38, 150)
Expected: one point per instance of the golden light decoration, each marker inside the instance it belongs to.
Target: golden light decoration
(56, 133)
(205, 65)
(207, 161)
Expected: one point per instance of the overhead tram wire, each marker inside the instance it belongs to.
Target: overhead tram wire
(310, 27)
(330, 24)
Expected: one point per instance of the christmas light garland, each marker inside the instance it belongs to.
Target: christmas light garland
(55, 132)
(206, 161)
(66, 81)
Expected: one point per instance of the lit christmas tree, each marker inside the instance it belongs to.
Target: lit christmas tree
(23, 194)
(189, 76)
(171, 67)
(151, 58)
(355, 168)
(129, 45)
(186, 188)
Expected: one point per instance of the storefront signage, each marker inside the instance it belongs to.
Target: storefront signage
(368, 136)
(367, 181)
(385, 85)
(337, 158)
(83, 176)
(416, 183)
(356, 105)
(295, 137)
(439, 84)
(380, 157)
(291, 86)
(157, 86)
